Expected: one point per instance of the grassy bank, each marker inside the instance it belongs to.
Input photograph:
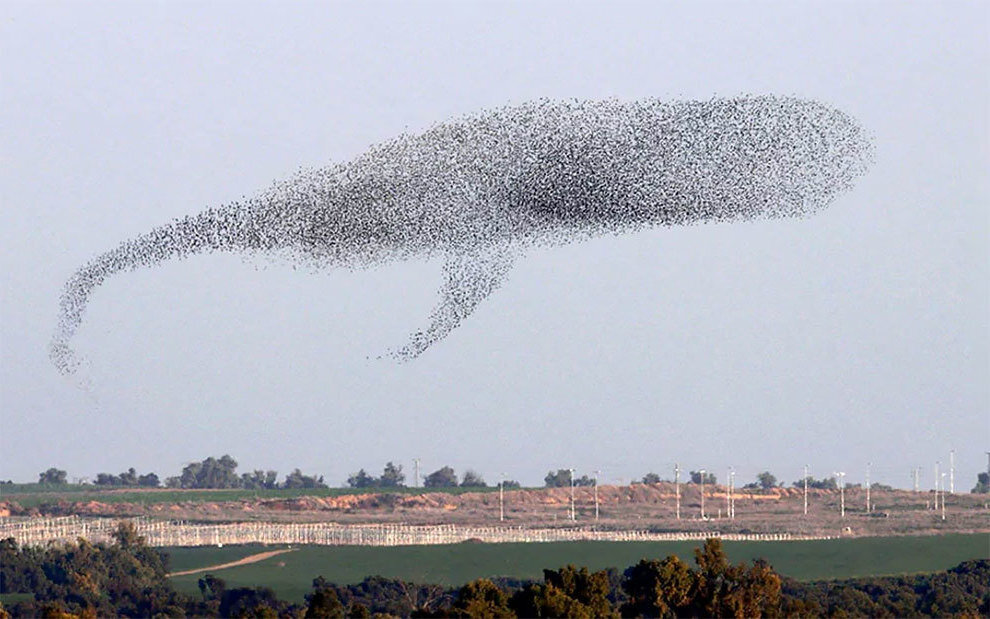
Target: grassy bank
(33, 495)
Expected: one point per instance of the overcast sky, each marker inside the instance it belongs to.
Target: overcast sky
(858, 335)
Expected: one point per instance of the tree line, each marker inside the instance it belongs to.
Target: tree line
(444, 477)
(218, 473)
(212, 473)
(128, 578)
(221, 473)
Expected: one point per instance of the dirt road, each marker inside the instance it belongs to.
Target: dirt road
(261, 556)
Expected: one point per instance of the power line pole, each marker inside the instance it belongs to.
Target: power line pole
(952, 473)
(732, 494)
(842, 493)
(868, 465)
(573, 516)
(805, 489)
(416, 467)
(501, 499)
(597, 473)
(677, 487)
(703, 494)
(943, 496)
(937, 462)
(728, 494)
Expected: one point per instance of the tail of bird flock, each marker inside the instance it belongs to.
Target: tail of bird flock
(178, 239)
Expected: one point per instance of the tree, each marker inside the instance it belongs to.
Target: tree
(441, 478)
(473, 480)
(260, 480)
(392, 476)
(696, 478)
(511, 483)
(52, 476)
(122, 578)
(482, 598)
(567, 592)
(250, 602)
(651, 478)
(107, 479)
(766, 480)
(658, 588)
(129, 477)
(982, 484)
(296, 479)
(211, 473)
(758, 592)
(361, 479)
(149, 480)
(560, 479)
(211, 587)
(828, 483)
(709, 584)
(725, 590)
(323, 602)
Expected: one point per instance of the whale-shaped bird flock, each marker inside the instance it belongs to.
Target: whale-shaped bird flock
(479, 190)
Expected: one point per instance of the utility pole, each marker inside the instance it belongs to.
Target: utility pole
(937, 462)
(573, 516)
(732, 495)
(943, 496)
(842, 493)
(416, 467)
(501, 499)
(868, 465)
(952, 473)
(677, 487)
(805, 489)
(597, 473)
(917, 473)
(728, 494)
(703, 494)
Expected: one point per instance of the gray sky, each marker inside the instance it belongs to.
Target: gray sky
(859, 334)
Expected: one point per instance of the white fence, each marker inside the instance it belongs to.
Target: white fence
(38, 531)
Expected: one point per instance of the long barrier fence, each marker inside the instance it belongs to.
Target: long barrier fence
(40, 531)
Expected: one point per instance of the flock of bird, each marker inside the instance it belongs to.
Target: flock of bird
(479, 190)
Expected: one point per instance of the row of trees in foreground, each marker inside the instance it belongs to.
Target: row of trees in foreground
(128, 578)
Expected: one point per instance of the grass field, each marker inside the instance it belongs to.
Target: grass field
(291, 574)
(33, 495)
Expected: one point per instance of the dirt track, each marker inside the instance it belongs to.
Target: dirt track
(261, 556)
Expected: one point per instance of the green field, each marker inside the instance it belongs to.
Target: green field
(33, 495)
(291, 574)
